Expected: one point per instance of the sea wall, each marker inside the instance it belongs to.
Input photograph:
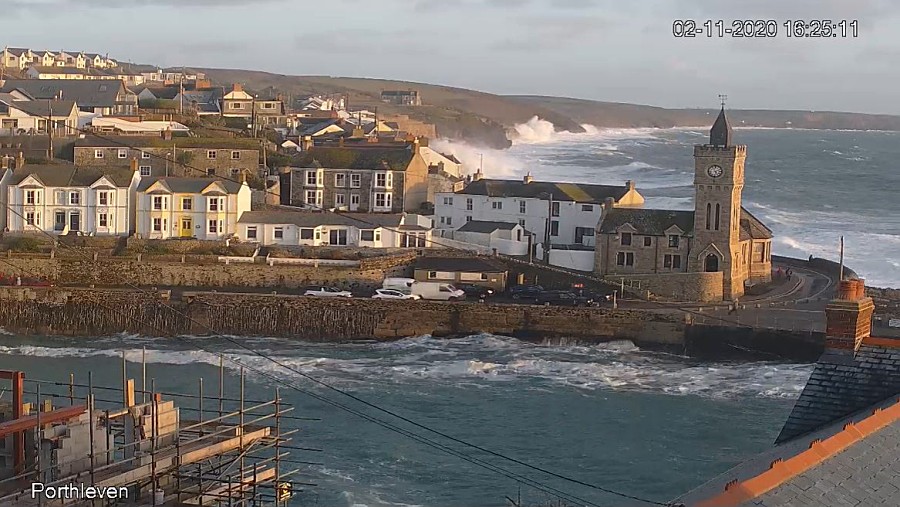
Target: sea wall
(723, 342)
(703, 287)
(80, 312)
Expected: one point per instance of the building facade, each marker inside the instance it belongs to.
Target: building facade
(200, 208)
(187, 157)
(63, 199)
(719, 236)
(366, 230)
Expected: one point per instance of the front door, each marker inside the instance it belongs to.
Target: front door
(75, 222)
(712, 263)
(187, 228)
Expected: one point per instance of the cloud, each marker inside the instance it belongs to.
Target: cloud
(367, 43)
(550, 33)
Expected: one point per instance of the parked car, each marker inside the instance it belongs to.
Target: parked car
(401, 284)
(328, 292)
(562, 298)
(476, 291)
(393, 294)
(525, 291)
(438, 291)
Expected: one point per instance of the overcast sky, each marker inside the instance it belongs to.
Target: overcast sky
(617, 50)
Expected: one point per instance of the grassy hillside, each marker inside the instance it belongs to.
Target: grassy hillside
(485, 119)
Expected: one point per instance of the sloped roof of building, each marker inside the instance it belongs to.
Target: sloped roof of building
(576, 192)
(852, 462)
(18, 51)
(58, 70)
(43, 108)
(460, 265)
(486, 227)
(842, 384)
(161, 92)
(86, 92)
(647, 222)
(752, 227)
(189, 185)
(395, 159)
(312, 219)
(212, 143)
(65, 175)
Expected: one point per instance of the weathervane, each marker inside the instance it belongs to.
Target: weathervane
(723, 98)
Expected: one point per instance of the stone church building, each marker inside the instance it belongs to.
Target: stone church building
(711, 253)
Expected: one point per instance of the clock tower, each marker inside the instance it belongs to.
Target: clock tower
(718, 183)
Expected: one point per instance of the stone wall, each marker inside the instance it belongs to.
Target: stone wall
(81, 312)
(703, 287)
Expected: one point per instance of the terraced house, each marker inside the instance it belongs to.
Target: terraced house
(201, 208)
(59, 199)
(163, 156)
(368, 178)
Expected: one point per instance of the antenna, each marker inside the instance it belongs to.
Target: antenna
(723, 98)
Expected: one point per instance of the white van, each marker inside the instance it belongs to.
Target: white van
(436, 291)
(403, 285)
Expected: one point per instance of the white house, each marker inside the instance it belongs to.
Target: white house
(59, 199)
(507, 238)
(572, 210)
(24, 116)
(300, 228)
(448, 163)
(201, 208)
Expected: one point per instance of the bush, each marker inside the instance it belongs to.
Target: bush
(24, 245)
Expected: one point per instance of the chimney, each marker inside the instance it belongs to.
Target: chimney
(237, 87)
(608, 204)
(478, 175)
(20, 160)
(528, 178)
(306, 143)
(630, 184)
(4, 161)
(416, 146)
(848, 317)
(167, 134)
(134, 165)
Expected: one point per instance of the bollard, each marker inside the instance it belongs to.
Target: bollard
(95, 256)
(182, 259)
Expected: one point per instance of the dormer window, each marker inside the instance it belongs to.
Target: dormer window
(674, 240)
(235, 155)
(626, 239)
(123, 153)
(32, 197)
(211, 154)
(103, 198)
(98, 153)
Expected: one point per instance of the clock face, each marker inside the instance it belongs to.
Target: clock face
(714, 171)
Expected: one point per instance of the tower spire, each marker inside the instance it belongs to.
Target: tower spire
(721, 133)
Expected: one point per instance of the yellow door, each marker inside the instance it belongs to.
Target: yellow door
(187, 228)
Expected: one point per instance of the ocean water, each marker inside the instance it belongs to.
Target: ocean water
(639, 422)
(809, 186)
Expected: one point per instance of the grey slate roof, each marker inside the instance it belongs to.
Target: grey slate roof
(308, 219)
(841, 385)
(576, 192)
(64, 175)
(459, 265)
(647, 222)
(189, 185)
(721, 133)
(865, 474)
(86, 92)
(486, 226)
(752, 227)
(42, 108)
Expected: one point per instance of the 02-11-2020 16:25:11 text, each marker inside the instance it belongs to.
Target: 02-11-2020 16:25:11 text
(766, 28)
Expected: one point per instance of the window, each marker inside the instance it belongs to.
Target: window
(145, 155)
(468, 218)
(123, 153)
(554, 209)
(237, 105)
(449, 220)
(674, 240)
(648, 241)
(718, 212)
(625, 259)
(313, 197)
(522, 207)
(522, 222)
(61, 197)
(448, 201)
(103, 198)
(759, 252)
(312, 177)
(235, 155)
(278, 233)
(355, 180)
(497, 205)
(340, 199)
(340, 180)
(98, 153)
(626, 239)
(102, 220)
(235, 171)
(366, 235)
(74, 198)
(384, 180)
(210, 171)
(187, 203)
(672, 261)
(383, 200)
(158, 202)
(145, 170)
(469, 204)
(306, 234)
(211, 154)
(251, 232)
(157, 224)
(337, 237)
(213, 226)
(354, 200)
(587, 207)
(31, 197)
(59, 221)
(216, 204)
(30, 218)
(554, 227)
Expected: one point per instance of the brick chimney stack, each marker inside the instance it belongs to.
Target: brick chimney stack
(134, 165)
(849, 317)
(237, 87)
(20, 160)
(528, 178)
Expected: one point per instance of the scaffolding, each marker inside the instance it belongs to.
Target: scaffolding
(134, 448)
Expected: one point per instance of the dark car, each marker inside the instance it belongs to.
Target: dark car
(476, 291)
(525, 291)
(562, 298)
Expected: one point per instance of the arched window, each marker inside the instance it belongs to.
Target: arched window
(718, 211)
(708, 216)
